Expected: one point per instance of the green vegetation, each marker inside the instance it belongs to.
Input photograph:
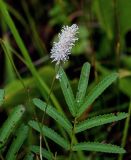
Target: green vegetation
(79, 105)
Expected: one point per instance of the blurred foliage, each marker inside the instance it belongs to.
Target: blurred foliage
(104, 41)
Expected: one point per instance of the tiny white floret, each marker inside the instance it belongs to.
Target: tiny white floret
(58, 76)
(62, 49)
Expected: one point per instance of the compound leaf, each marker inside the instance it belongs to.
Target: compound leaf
(52, 112)
(21, 135)
(99, 120)
(98, 147)
(97, 91)
(46, 154)
(83, 83)
(67, 91)
(50, 133)
(10, 124)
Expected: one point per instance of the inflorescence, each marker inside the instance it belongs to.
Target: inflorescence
(62, 49)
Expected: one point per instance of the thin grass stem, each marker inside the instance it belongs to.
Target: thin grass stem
(125, 131)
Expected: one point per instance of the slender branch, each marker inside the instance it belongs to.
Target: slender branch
(72, 138)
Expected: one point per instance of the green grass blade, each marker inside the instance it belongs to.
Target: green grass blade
(9, 70)
(67, 91)
(97, 91)
(51, 134)
(21, 135)
(36, 40)
(10, 124)
(14, 31)
(2, 94)
(45, 153)
(98, 147)
(17, 15)
(52, 112)
(41, 84)
(125, 131)
(99, 120)
(83, 83)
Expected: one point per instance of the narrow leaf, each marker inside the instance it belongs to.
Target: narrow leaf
(21, 135)
(46, 154)
(10, 124)
(97, 91)
(99, 120)
(10, 74)
(83, 83)
(67, 91)
(52, 112)
(2, 94)
(98, 147)
(51, 134)
(125, 130)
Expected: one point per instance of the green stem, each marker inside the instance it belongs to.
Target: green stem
(43, 117)
(125, 132)
(72, 138)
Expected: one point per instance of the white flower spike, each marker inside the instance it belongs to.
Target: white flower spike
(62, 49)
